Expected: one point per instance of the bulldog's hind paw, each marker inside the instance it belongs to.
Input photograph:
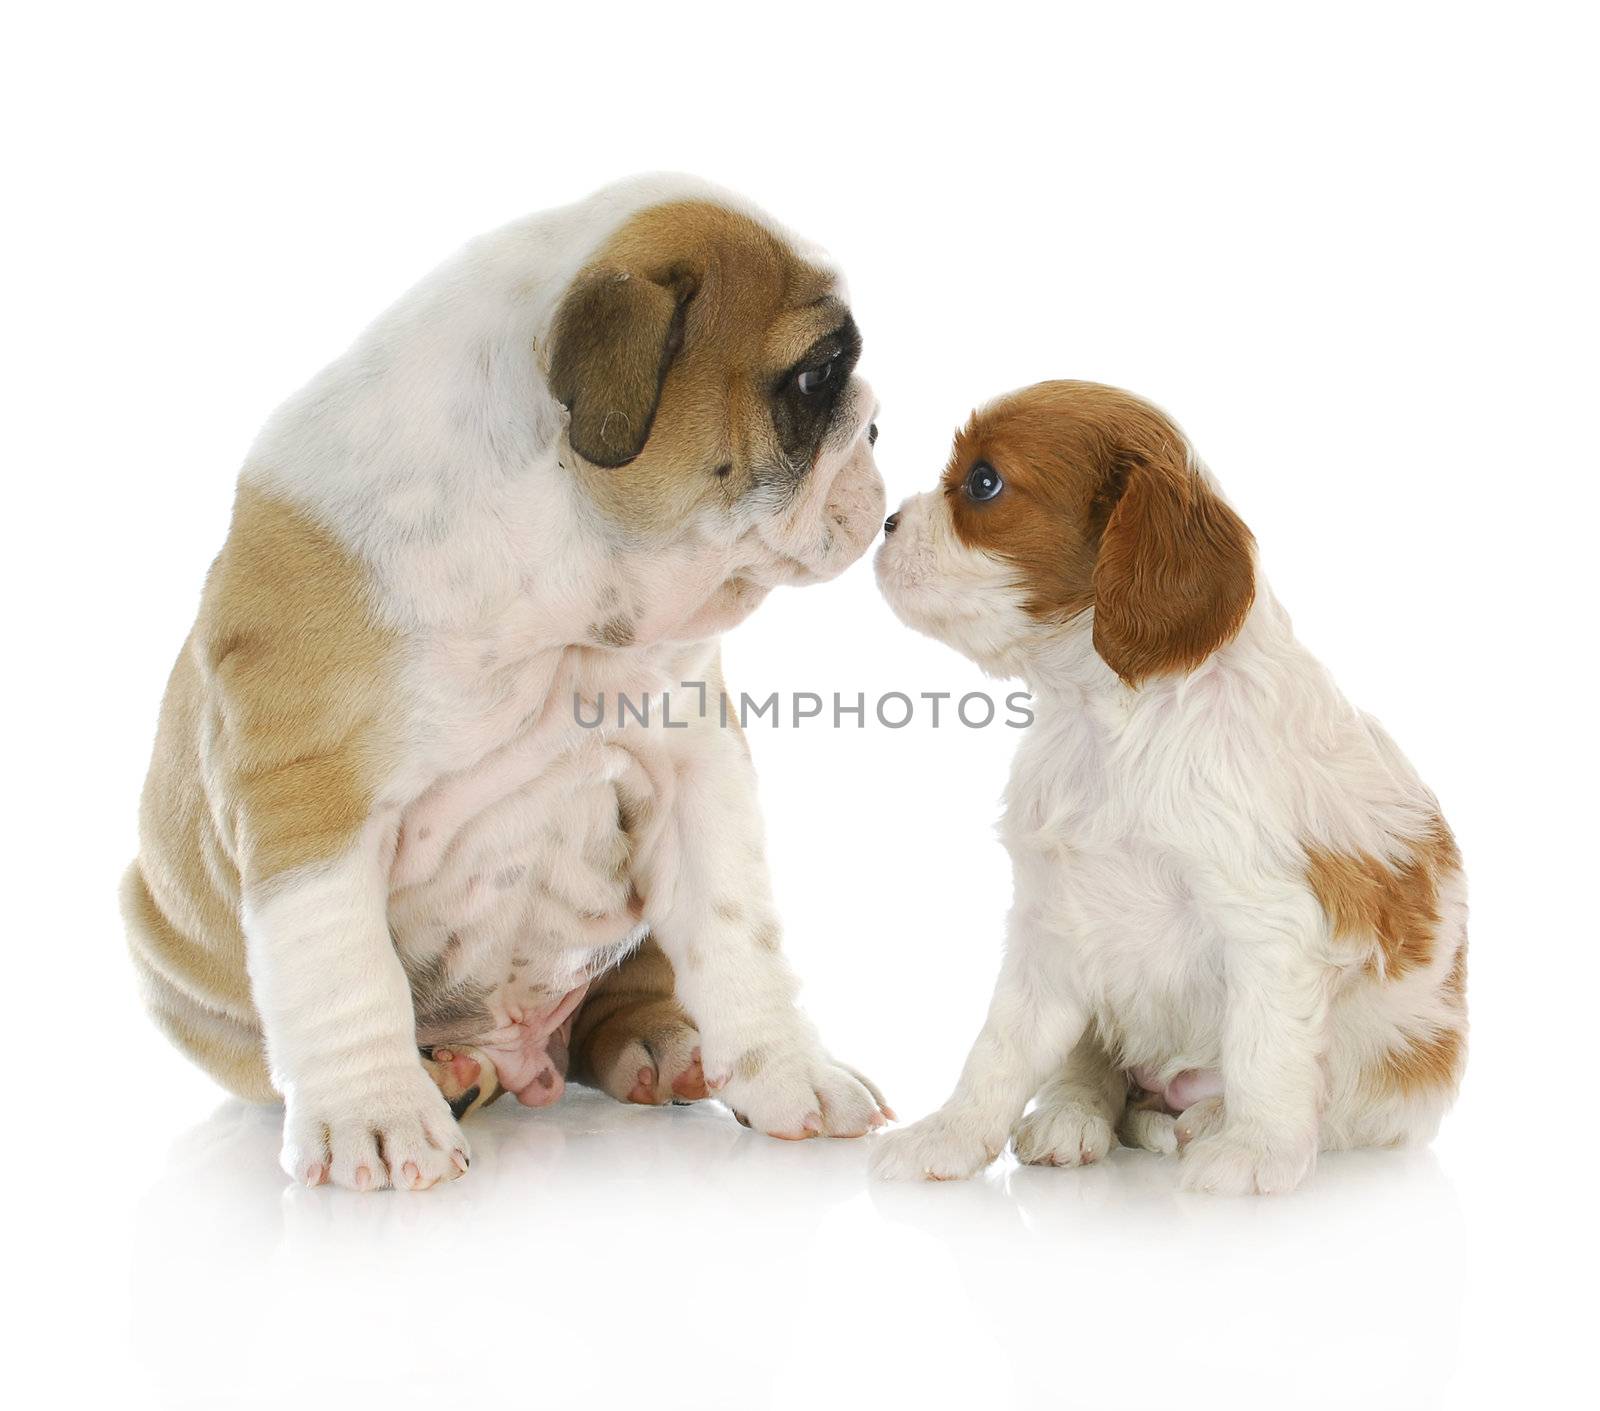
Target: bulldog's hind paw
(464, 1075)
(656, 1062)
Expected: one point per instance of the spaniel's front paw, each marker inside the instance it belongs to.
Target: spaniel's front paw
(1070, 1133)
(1236, 1162)
(938, 1148)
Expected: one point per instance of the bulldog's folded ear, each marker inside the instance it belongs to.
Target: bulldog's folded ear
(615, 336)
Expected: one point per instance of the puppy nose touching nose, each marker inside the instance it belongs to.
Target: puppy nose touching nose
(872, 434)
(890, 523)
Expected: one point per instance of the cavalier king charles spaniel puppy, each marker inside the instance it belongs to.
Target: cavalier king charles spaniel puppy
(1239, 926)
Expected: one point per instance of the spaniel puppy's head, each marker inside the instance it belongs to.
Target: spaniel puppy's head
(1067, 499)
(706, 361)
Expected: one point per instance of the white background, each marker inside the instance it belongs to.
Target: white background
(1352, 250)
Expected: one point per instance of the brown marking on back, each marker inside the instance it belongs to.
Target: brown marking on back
(273, 738)
(1434, 1059)
(296, 677)
(1454, 985)
(1104, 506)
(188, 953)
(1388, 908)
(1422, 1062)
(720, 307)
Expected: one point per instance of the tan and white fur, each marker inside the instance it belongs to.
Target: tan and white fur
(382, 861)
(1239, 919)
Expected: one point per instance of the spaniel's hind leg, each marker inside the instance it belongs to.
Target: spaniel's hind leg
(1390, 1084)
(1148, 1124)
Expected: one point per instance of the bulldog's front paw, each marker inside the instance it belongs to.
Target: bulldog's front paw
(403, 1138)
(795, 1098)
(938, 1148)
(1234, 1162)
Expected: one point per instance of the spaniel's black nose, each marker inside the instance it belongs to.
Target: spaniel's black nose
(889, 524)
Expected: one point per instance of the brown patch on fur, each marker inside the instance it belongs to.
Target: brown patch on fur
(1435, 1058)
(294, 671)
(1454, 985)
(1426, 1061)
(1388, 908)
(273, 737)
(615, 336)
(613, 632)
(632, 1002)
(1104, 506)
(666, 351)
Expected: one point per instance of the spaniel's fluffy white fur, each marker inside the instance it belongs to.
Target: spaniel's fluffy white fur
(1239, 918)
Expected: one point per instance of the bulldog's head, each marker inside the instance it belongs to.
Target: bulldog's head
(707, 366)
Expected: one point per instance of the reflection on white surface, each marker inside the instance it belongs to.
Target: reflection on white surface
(670, 1258)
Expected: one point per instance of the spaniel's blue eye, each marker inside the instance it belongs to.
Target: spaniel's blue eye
(813, 377)
(984, 482)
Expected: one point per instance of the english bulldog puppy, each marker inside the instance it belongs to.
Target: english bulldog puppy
(1239, 923)
(389, 862)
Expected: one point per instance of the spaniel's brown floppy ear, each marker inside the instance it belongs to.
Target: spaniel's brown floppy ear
(615, 336)
(1175, 574)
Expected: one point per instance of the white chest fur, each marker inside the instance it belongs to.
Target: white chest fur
(1104, 872)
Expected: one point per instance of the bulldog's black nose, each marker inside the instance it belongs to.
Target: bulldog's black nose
(872, 434)
(889, 524)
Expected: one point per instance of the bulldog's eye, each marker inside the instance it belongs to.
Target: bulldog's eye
(984, 482)
(813, 377)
